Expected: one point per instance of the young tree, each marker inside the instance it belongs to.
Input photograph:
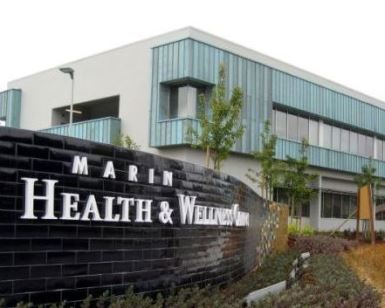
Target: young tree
(368, 176)
(297, 181)
(269, 175)
(126, 142)
(219, 121)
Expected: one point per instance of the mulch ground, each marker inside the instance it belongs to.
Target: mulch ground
(368, 261)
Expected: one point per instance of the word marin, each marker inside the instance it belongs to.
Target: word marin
(190, 212)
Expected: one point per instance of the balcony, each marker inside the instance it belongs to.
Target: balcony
(10, 104)
(173, 131)
(104, 130)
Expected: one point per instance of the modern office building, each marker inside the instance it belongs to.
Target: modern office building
(148, 90)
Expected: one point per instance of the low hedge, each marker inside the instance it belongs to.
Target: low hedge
(275, 268)
(322, 244)
(328, 282)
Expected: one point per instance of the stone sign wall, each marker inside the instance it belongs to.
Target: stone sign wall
(79, 218)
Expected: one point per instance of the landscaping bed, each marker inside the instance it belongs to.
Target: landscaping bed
(328, 281)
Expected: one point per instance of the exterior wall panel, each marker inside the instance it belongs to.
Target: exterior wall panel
(303, 95)
(253, 78)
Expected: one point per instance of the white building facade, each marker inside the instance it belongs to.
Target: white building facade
(148, 90)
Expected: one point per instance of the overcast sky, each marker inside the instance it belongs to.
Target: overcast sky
(337, 39)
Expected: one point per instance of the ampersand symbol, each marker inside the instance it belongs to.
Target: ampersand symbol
(165, 213)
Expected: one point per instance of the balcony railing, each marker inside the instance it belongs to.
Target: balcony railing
(174, 131)
(104, 130)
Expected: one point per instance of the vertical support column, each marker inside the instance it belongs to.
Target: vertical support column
(315, 207)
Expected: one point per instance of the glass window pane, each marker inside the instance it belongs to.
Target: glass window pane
(380, 208)
(327, 130)
(361, 145)
(326, 205)
(383, 150)
(273, 122)
(369, 146)
(379, 149)
(345, 206)
(173, 102)
(336, 206)
(313, 132)
(292, 127)
(280, 124)
(336, 138)
(353, 143)
(303, 129)
(353, 205)
(344, 140)
(306, 209)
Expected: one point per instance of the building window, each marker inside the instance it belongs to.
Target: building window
(379, 149)
(336, 138)
(369, 146)
(361, 145)
(327, 136)
(303, 129)
(280, 121)
(181, 100)
(353, 143)
(280, 196)
(338, 205)
(313, 132)
(380, 208)
(344, 140)
(292, 127)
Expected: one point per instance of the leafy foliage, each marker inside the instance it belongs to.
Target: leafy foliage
(368, 176)
(297, 180)
(126, 142)
(269, 175)
(220, 122)
(328, 282)
(307, 230)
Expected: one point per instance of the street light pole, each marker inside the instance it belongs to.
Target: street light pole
(71, 72)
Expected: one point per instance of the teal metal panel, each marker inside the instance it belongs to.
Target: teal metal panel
(10, 107)
(195, 60)
(105, 130)
(326, 158)
(300, 94)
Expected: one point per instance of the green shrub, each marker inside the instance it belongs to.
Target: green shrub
(317, 244)
(307, 230)
(328, 282)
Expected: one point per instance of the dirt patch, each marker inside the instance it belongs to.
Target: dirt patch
(369, 263)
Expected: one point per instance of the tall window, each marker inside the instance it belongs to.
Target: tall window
(338, 205)
(344, 140)
(313, 132)
(361, 145)
(369, 146)
(327, 136)
(303, 129)
(336, 138)
(280, 120)
(379, 149)
(353, 143)
(292, 127)
(279, 195)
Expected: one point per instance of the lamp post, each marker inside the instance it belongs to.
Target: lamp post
(70, 71)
